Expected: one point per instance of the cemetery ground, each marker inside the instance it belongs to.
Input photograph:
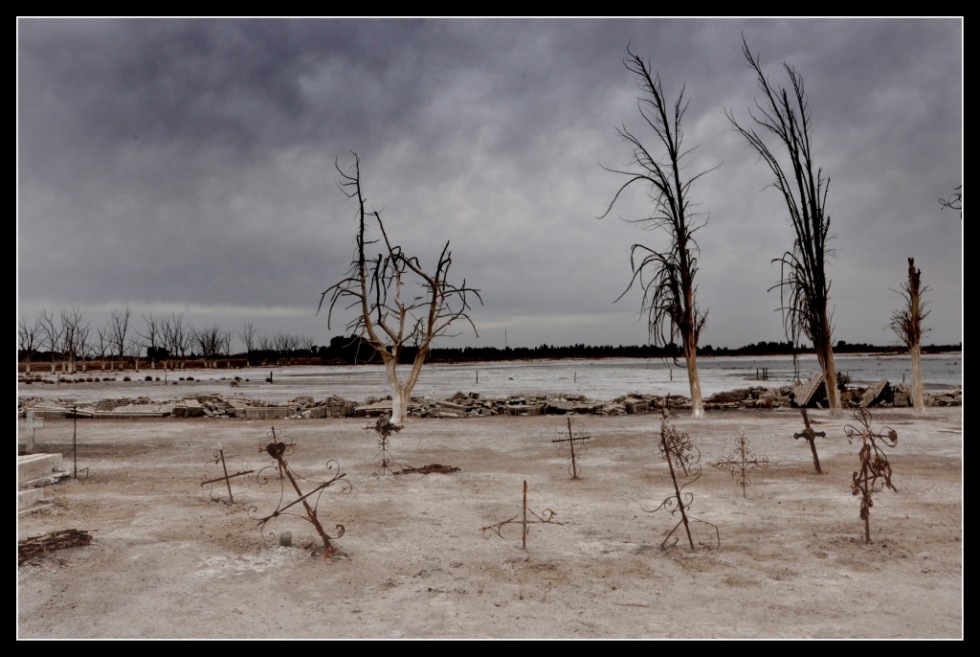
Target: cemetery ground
(170, 559)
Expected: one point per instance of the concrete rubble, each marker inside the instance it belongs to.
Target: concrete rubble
(463, 405)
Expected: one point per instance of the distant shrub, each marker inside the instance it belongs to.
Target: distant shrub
(181, 378)
(126, 378)
(148, 378)
(190, 378)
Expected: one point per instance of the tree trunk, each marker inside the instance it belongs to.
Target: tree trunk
(918, 402)
(825, 357)
(691, 356)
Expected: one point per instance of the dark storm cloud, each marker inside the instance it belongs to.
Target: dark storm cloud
(189, 164)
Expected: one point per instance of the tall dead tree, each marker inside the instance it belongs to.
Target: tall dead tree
(397, 303)
(907, 324)
(665, 274)
(804, 288)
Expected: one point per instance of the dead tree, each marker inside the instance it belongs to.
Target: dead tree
(247, 336)
(118, 328)
(50, 335)
(153, 337)
(804, 288)
(665, 274)
(28, 340)
(397, 303)
(907, 324)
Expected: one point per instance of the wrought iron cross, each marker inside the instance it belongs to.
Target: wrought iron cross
(547, 517)
(219, 457)
(741, 461)
(278, 450)
(571, 440)
(809, 434)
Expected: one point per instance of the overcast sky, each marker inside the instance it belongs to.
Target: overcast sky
(187, 166)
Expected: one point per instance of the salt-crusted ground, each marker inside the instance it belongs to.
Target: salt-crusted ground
(168, 561)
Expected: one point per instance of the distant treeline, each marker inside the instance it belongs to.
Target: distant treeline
(351, 350)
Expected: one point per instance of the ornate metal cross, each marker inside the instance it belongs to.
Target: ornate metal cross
(278, 451)
(809, 434)
(874, 464)
(572, 438)
(741, 461)
(547, 516)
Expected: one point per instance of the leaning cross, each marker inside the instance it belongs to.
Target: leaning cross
(32, 423)
(219, 457)
(809, 434)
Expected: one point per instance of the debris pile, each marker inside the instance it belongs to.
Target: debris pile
(809, 394)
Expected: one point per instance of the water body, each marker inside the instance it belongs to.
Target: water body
(611, 378)
(604, 379)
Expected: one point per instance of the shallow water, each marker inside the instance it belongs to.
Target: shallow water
(594, 379)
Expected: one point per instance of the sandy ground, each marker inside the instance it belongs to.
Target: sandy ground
(169, 561)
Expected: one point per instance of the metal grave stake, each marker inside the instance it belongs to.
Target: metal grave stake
(578, 437)
(219, 457)
(809, 434)
(741, 461)
(547, 517)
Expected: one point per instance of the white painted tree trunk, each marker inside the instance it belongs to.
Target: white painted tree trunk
(918, 401)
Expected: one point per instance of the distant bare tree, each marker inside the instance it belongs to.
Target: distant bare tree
(907, 324)
(285, 343)
(176, 337)
(134, 349)
(209, 341)
(266, 343)
(101, 345)
(153, 337)
(72, 323)
(83, 344)
(50, 334)
(306, 343)
(118, 331)
(247, 336)
(804, 287)
(666, 275)
(225, 349)
(29, 338)
(397, 303)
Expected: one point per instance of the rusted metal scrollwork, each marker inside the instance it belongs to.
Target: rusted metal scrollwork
(384, 460)
(875, 472)
(741, 462)
(684, 461)
(546, 517)
(278, 450)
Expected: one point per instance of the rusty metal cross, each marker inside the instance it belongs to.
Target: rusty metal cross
(809, 434)
(219, 457)
(741, 461)
(571, 440)
(547, 516)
